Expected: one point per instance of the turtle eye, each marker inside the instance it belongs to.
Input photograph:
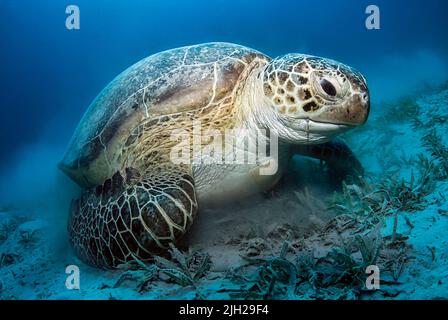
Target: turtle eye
(328, 87)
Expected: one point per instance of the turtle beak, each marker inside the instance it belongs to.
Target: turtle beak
(353, 111)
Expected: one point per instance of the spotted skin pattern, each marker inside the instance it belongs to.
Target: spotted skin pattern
(288, 82)
(136, 200)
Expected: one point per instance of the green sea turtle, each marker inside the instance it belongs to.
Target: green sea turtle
(136, 199)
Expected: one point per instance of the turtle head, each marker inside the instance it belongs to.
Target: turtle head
(312, 98)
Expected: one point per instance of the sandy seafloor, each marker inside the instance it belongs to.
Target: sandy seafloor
(413, 259)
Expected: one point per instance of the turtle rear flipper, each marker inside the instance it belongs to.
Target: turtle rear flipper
(339, 157)
(131, 216)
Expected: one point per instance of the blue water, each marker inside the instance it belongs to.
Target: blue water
(49, 75)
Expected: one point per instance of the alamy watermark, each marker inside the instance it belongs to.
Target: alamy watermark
(72, 282)
(373, 18)
(231, 147)
(373, 278)
(73, 19)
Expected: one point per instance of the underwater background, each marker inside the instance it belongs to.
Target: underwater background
(396, 217)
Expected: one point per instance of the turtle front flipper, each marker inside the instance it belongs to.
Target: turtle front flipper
(338, 156)
(131, 215)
